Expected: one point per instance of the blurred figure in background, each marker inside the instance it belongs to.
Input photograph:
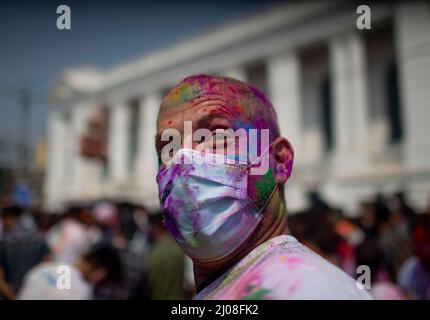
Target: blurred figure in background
(318, 230)
(132, 284)
(381, 224)
(41, 283)
(367, 219)
(166, 263)
(106, 217)
(69, 239)
(20, 250)
(401, 207)
(139, 242)
(101, 266)
(382, 286)
(393, 239)
(414, 275)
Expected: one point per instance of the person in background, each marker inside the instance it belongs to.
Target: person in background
(166, 263)
(381, 224)
(20, 250)
(139, 242)
(400, 206)
(352, 235)
(106, 217)
(394, 243)
(42, 281)
(101, 266)
(133, 281)
(68, 239)
(414, 275)
(368, 220)
(382, 287)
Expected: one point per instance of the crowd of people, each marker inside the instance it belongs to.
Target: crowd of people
(388, 237)
(121, 251)
(112, 251)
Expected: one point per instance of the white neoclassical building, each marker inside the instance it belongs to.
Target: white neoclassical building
(354, 103)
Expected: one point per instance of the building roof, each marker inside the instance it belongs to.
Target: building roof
(88, 79)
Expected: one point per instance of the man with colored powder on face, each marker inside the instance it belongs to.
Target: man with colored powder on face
(231, 222)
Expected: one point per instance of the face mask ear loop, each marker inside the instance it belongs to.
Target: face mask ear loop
(259, 157)
(268, 199)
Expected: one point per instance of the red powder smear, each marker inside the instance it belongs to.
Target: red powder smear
(293, 287)
(291, 261)
(170, 122)
(222, 109)
(294, 260)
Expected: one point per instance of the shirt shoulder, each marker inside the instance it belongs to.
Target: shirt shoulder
(302, 274)
(289, 270)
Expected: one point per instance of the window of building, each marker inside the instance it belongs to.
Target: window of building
(393, 99)
(317, 111)
(327, 113)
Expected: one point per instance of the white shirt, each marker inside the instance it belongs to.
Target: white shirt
(282, 268)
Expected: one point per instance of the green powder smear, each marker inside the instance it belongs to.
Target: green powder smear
(257, 295)
(265, 187)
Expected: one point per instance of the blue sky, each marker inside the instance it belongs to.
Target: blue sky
(104, 33)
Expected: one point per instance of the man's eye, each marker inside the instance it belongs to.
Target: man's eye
(223, 136)
(219, 135)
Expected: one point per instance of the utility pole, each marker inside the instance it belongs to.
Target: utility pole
(23, 145)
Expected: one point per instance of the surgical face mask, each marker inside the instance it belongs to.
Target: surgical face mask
(205, 204)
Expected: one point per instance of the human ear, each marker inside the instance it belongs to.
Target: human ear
(283, 154)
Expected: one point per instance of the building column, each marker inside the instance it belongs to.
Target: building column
(118, 143)
(285, 94)
(412, 32)
(349, 95)
(147, 163)
(54, 184)
(284, 90)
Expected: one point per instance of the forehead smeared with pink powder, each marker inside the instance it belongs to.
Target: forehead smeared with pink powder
(241, 98)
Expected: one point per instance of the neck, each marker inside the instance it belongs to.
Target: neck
(273, 224)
